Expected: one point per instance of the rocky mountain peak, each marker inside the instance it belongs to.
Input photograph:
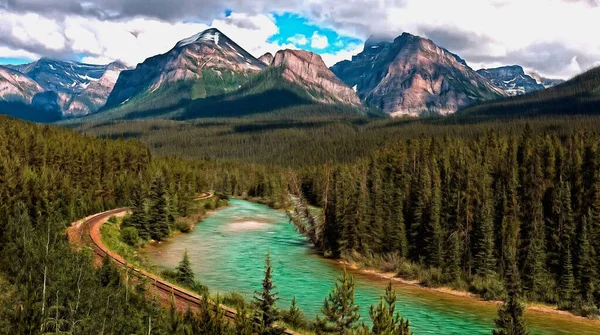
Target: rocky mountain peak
(413, 75)
(511, 79)
(308, 70)
(266, 58)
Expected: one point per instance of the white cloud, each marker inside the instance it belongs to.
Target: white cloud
(298, 39)
(319, 41)
(10, 53)
(541, 35)
(332, 58)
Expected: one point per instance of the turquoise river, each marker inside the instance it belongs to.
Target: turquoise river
(227, 252)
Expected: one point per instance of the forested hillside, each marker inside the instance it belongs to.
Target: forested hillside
(50, 177)
(461, 212)
(580, 95)
(308, 139)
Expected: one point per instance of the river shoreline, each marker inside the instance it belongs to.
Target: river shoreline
(535, 307)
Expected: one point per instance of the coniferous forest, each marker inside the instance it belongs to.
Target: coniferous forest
(504, 211)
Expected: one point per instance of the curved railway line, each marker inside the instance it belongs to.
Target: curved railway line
(90, 235)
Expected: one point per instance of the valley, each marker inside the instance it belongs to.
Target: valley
(338, 170)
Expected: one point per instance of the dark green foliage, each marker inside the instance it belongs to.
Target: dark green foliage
(385, 320)
(158, 214)
(340, 314)
(579, 95)
(468, 209)
(130, 236)
(265, 303)
(294, 316)
(511, 319)
(185, 274)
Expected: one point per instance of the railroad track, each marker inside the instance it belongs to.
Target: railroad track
(92, 236)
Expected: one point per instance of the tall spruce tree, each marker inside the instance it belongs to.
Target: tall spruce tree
(265, 302)
(158, 220)
(139, 217)
(339, 310)
(511, 319)
(185, 274)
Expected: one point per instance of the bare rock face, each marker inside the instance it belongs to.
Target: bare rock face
(307, 70)
(77, 88)
(17, 87)
(266, 58)
(209, 50)
(546, 82)
(95, 95)
(511, 79)
(412, 76)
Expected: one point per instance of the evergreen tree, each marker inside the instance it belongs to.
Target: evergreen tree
(484, 260)
(158, 220)
(185, 274)
(385, 320)
(586, 269)
(265, 301)
(511, 320)
(434, 242)
(139, 217)
(339, 311)
(294, 317)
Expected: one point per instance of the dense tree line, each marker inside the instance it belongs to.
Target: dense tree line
(50, 177)
(466, 210)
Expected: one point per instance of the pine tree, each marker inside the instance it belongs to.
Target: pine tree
(511, 319)
(484, 260)
(339, 311)
(158, 214)
(185, 274)
(385, 320)
(434, 242)
(265, 301)
(139, 217)
(294, 317)
(586, 269)
(566, 225)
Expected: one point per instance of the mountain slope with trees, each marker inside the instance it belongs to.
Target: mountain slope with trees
(580, 95)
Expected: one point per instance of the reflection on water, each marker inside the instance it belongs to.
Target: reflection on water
(227, 252)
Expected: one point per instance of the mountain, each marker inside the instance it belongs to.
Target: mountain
(266, 58)
(308, 71)
(22, 97)
(580, 95)
(511, 79)
(546, 82)
(412, 76)
(79, 89)
(15, 86)
(206, 64)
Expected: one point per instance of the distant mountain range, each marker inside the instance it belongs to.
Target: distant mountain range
(66, 89)
(513, 80)
(208, 74)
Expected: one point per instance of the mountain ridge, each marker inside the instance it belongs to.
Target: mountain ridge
(413, 76)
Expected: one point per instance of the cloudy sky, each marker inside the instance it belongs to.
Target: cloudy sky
(557, 38)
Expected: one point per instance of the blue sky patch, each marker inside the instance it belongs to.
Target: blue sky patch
(306, 35)
(13, 61)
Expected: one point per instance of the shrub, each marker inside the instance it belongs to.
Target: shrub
(130, 236)
(184, 226)
(112, 220)
(234, 300)
(488, 288)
